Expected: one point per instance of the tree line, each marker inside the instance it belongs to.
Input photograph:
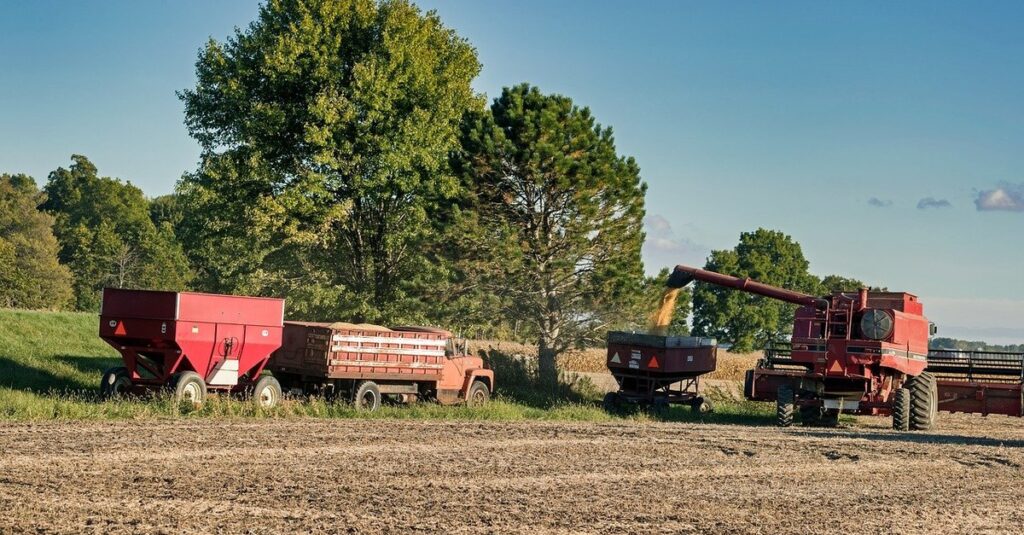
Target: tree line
(348, 165)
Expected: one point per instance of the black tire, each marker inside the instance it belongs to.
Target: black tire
(812, 415)
(700, 405)
(901, 409)
(479, 394)
(611, 402)
(830, 418)
(366, 397)
(923, 401)
(659, 407)
(267, 392)
(116, 382)
(785, 401)
(189, 387)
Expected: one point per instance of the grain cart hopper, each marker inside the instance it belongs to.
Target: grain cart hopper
(655, 371)
(362, 362)
(190, 342)
(982, 382)
(860, 353)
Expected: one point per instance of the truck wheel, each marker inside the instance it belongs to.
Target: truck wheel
(784, 403)
(189, 387)
(267, 392)
(701, 406)
(367, 397)
(923, 401)
(901, 410)
(115, 383)
(478, 394)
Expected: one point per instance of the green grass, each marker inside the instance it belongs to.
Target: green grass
(51, 363)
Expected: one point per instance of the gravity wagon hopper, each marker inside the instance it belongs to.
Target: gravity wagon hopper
(188, 343)
(655, 371)
(859, 353)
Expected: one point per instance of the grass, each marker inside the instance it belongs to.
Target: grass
(51, 363)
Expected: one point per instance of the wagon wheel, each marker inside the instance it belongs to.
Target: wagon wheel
(115, 383)
(267, 392)
(367, 397)
(659, 407)
(478, 394)
(611, 402)
(701, 406)
(189, 387)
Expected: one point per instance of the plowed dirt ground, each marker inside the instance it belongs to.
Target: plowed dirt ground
(327, 476)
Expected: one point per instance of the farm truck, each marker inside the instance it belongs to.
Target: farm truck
(859, 353)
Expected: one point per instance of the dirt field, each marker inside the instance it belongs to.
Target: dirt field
(265, 476)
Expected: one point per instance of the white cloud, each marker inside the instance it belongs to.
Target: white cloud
(1006, 197)
(663, 248)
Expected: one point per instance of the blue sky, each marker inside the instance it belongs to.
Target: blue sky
(885, 137)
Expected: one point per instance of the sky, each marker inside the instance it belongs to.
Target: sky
(886, 138)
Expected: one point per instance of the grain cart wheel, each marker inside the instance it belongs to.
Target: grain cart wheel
(923, 401)
(784, 403)
(901, 410)
(701, 405)
(611, 402)
(478, 394)
(115, 383)
(189, 387)
(367, 396)
(267, 392)
(659, 407)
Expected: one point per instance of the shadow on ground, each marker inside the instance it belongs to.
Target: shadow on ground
(920, 438)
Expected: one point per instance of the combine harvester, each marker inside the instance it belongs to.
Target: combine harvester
(858, 353)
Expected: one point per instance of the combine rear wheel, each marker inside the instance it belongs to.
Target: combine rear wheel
(901, 410)
(115, 383)
(811, 415)
(924, 397)
(189, 387)
(367, 396)
(784, 404)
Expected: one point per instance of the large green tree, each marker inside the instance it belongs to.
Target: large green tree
(30, 275)
(745, 320)
(107, 237)
(553, 224)
(326, 127)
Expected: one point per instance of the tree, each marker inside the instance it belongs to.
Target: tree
(325, 127)
(106, 235)
(745, 320)
(554, 220)
(30, 275)
(838, 283)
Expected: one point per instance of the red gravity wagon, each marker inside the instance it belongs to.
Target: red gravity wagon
(188, 342)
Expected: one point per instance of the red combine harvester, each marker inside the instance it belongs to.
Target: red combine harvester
(861, 353)
(982, 382)
(655, 371)
(190, 342)
(364, 362)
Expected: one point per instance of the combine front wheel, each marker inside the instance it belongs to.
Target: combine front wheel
(784, 403)
(923, 401)
(901, 410)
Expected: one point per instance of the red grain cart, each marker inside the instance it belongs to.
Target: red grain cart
(656, 371)
(190, 342)
(362, 363)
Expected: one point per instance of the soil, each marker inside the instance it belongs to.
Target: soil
(376, 476)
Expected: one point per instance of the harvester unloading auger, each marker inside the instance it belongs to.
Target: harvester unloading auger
(861, 353)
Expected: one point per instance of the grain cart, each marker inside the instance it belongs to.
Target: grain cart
(190, 342)
(982, 382)
(861, 353)
(656, 371)
(362, 363)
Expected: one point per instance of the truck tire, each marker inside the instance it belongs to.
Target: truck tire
(189, 387)
(923, 401)
(785, 401)
(478, 394)
(366, 397)
(901, 409)
(115, 383)
(267, 392)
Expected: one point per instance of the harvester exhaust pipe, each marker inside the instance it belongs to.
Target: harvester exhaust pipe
(683, 275)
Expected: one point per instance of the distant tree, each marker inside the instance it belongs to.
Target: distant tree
(745, 320)
(30, 275)
(554, 220)
(325, 127)
(166, 209)
(838, 283)
(107, 237)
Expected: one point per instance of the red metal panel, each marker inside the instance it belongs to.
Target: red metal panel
(198, 307)
(121, 303)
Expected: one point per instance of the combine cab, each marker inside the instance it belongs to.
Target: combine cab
(656, 371)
